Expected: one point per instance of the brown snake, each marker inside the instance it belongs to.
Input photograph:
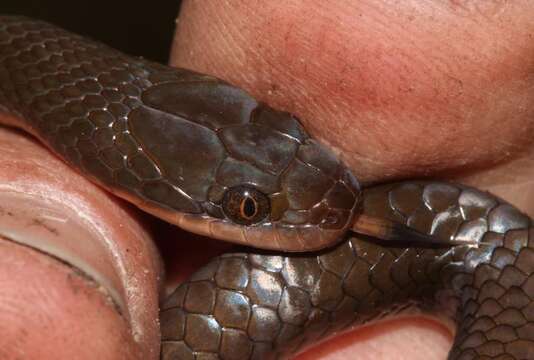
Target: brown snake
(204, 155)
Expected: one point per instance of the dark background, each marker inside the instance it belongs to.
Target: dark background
(143, 28)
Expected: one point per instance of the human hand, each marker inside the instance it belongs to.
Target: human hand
(399, 89)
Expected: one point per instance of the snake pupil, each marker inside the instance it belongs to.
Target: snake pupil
(248, 207)
(245, 205)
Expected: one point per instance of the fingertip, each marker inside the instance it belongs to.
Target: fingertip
(398, 90)
(411, 338)
(50, 310)
(49, 208)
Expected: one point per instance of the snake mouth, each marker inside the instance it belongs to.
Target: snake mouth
(267, 235)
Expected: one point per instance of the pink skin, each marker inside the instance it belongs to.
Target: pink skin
(399, 89)
(48, 309)
(66, 317)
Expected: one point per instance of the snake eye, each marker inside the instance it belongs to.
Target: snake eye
(245, 205)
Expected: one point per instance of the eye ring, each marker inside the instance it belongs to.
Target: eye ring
(245, 205)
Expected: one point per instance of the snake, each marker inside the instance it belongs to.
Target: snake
(320, 253)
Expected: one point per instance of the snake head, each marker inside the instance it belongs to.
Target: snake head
(287, 192)
(243, 172)
(280, 189)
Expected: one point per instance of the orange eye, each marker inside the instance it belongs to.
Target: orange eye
(248, 208)
(245, 205)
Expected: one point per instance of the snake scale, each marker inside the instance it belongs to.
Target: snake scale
(206, 156)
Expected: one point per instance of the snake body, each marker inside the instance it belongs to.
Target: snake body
(264, 306)
(178, 144)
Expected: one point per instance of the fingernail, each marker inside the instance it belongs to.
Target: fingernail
(52, 229)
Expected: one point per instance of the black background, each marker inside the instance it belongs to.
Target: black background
(143, 28)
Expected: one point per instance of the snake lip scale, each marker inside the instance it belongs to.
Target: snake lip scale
(204, 155)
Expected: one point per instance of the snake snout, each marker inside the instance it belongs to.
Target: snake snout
(318, 199)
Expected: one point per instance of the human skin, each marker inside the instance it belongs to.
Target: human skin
(398, 89)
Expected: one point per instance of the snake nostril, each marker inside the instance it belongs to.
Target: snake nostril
(330, 219)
